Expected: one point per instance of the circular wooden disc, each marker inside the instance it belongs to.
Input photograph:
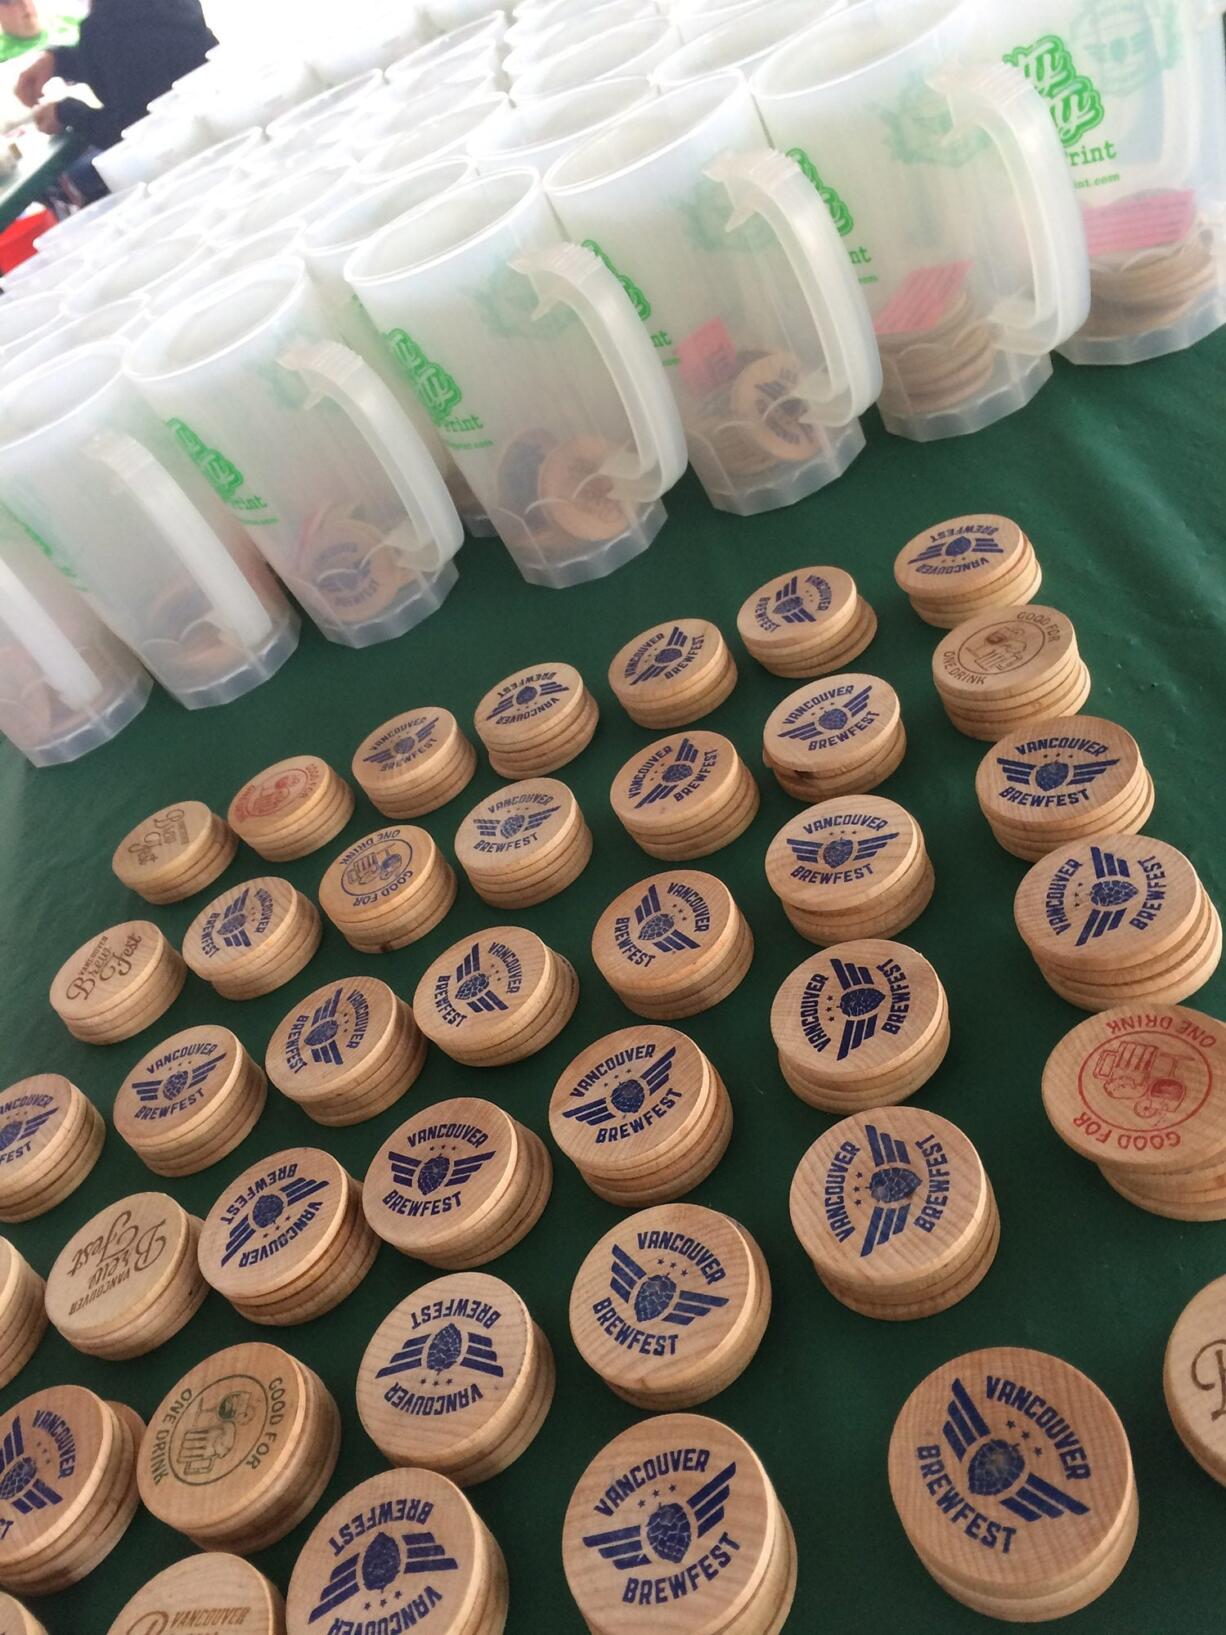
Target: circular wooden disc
(658, 933)
(807, 608)
(889, 1201)
(401, 1546)
(965, 556)
(1194, 1377)
(411, 750)
(283, 796)
(675, 1514)
(832, 725)
(517, 830)
(119, 1266)
(177, 1084)
(661, 1295)
(843, 854)
(999, 655)
(273, 1222)
(484, 989)
(379, 876)
(1009, 1470)
(1058, 771)
(680, 658)
(325, 1042)
(214, 1592)
(110, 970)
(684, 782)
(1104, 904)
(240, 931)
(1141, 1088)
(36, 1123)
(166, 846)
(56, 1452)
(529, 705)
(16, 1619)
(439, 1383)
(627, 1096)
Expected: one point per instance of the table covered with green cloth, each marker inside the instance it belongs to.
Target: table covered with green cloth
(1117, 475)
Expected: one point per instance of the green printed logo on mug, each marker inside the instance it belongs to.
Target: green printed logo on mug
(221, 474)
(841, 216)
(638, 300)
(1073, 98)
(436, 390)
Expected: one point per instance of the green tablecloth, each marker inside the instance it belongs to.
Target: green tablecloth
(1116, 474)
(43, 159)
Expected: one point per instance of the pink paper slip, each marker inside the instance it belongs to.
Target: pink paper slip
(1140, 223)
(921, 299)
(707, 358)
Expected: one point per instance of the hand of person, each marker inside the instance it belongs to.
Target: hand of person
(31, 80)
(47, 118)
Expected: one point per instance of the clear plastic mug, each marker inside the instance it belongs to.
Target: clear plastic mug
(629, 49)
(739, 278)
(119, 319)
(472, 39)
(446, 118)
(529, 21)
(106, 216)
(83, 466)
(145, 270)
(694, 18)
(540, 380)
(25, 319)
(386, 32)
(236, 100)
(445, 136)
(43, 273)
(306, 447)
(66, 684)
(298, 195)
(337, 99)
(1136, 91)
(178, 182)
(742, 41)
(951, 193)
(537, 133)
(574, 31)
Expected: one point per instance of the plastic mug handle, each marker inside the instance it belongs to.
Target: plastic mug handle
(335, 372)
(577, 278)
(766, 183)
(1001, 101)
(185, 533)
(33, 629)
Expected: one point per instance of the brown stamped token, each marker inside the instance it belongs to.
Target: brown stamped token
(399, 1548)
(291, 808)
(50, 1139)
(842, 735)
(861, 1025)
(670, 1306)
(895, 1211)
(347, 1051)
(16, 1619)
(414, 763)
(496, 997)
(214, 1592)
(1006, 666)
(685, 796)
(1194, 1378)
(128, 1279)
(673, 944)
(287, 1240)
(807, 622)
(965, 566)
(252, 938)
(241, 1449)
(457, 1184)
(677, 1514)
(23, 1313)
(536, 720)
(1012, 1476)
(176, 852)
(189, 1101)
(524, 843)
(117, 983)
(388, 889)
(674, 673)
(458, 1379)
(576, 493)
(66, 1491)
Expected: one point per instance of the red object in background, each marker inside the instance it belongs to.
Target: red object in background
(17, 241)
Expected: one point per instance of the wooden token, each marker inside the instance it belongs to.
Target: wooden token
(542, 714)
(195, 1095)
(347, 1051)
(845, 857)
(1002, 656)
(805, 611)
(673, 673)
(975, 562)
(291, 808)
(253, 937)
(50, 1139)
(524, 843)
(669, 944)
(400, 1547)
(1194, 1378)
(16, 1619)
(446, 1379)
(210, 1592)
(677, 1513)
(667, 1302)
(175, 852)
(414, 763)
(482, 1000)
(685, 796)
(388, 889)
(830, 729)
(23, 1312)
(117, 983)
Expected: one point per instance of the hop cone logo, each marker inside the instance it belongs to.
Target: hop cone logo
(1052, 775)
(668, 1532)
(860, 1001)
(381, 1562)
(892, 1186)
(1111, 893)
(654, 1297)
(444, 1349)
(837, 853)
(267, 1209)
(19, 1475)
(993, 1468)
(9, 1133)
(432, 1174)
(628, 1097)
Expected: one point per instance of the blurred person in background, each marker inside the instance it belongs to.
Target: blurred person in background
(19, 20)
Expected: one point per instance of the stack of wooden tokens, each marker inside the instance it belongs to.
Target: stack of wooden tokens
(524, 843)
(129, 1279)
(252, 938)
(346, 1052)
(67, 1492)
(190, 1100)
(945, 360)
(1141, 1092)
(458, 1184)
(536, 720)
(679, 1506)
(843, 736)
(961, 568)
(896, 1212)
(117, 983)
(175, 853)
(673, 945)
(1031, 1458)
(16, 1619)
(240, 1449)
(388, 889)
(671, 1305)
(50, 1139)
(414, 763)
(1136, 291)
(458, 1379)
(677, 671)
(850, 868)
(860, 1025)
(685, 796)
(807, 623)
(287, 1240)
(643, 1116)
(496, 998)
(209, 1591)
(1008, 666)
(412, 1546)
(1118, 919)
(1194, 1378)
(291, 808)
(23, 1313)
